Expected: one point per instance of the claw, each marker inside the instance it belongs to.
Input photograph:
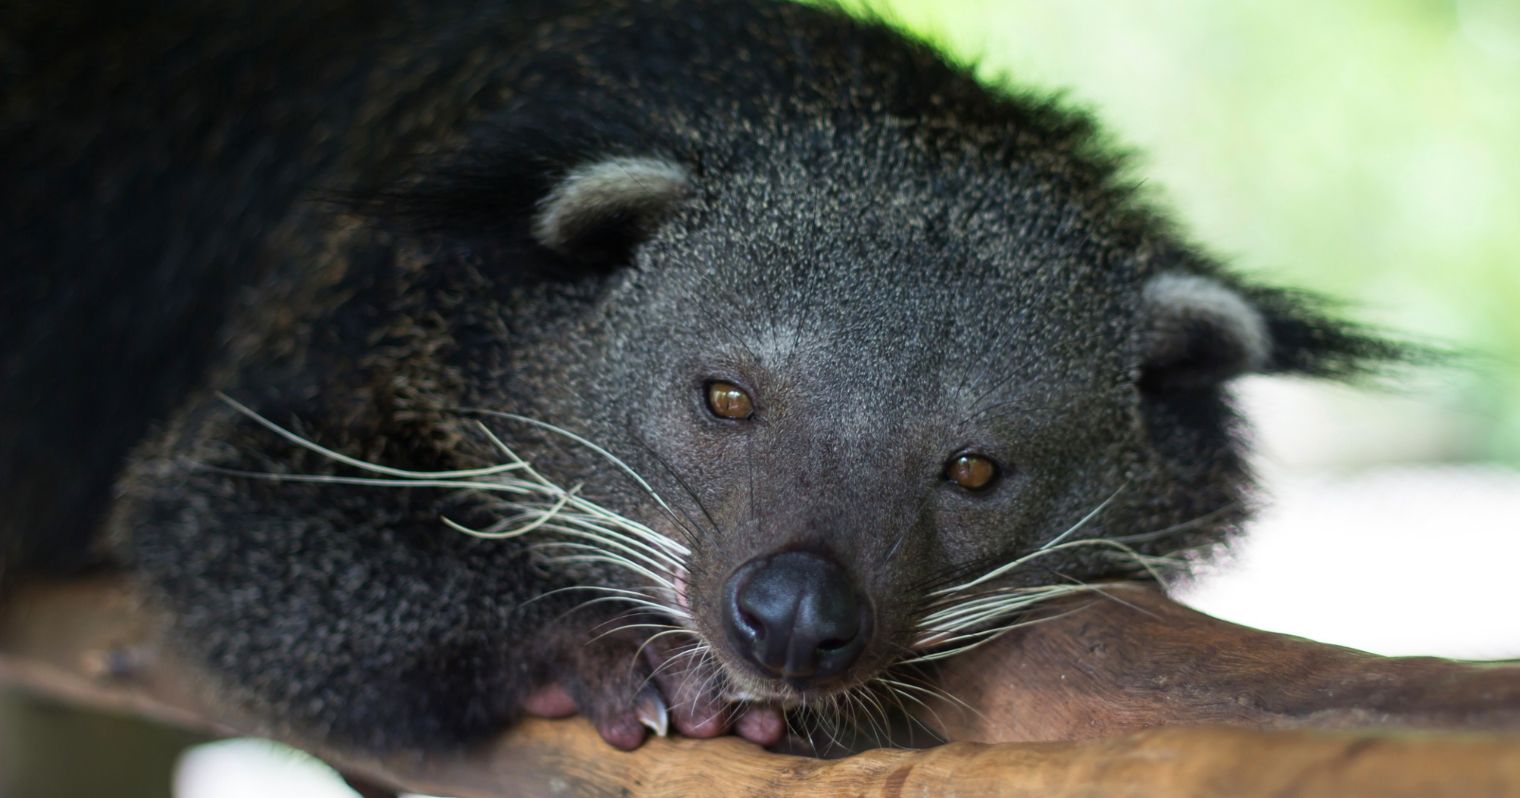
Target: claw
(653, 713)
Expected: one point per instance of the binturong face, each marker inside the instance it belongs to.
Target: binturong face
(861, 411)
(862, 424)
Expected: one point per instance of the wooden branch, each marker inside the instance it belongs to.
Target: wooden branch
(1137, 660)
(1102, 670)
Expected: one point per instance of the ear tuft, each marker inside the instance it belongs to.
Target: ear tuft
(1200, 332)
(602, 209)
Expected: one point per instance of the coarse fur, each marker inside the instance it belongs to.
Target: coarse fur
(275, 271)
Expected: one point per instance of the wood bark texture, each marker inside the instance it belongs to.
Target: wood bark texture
(1131, 695)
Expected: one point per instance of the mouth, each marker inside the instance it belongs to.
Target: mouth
(778, 693)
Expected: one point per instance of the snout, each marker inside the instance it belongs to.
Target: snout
(798, 616)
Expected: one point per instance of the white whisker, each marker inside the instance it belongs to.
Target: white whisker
(987, 609)
(894, 686)
(654, 606)
(664, 564)
(627, 626)
(355, 462)
(937, 692)
(600, 588)
(986, 636)
(335, 479)
(1083, 522)
(604, 558)
(1137, 557)
(513, 532)
(642, 483)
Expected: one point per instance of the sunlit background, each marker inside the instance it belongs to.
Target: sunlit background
(1369, 149)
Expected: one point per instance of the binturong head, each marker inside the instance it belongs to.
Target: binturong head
(897, 408)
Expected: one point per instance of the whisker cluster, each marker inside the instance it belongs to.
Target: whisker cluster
(576, 529)
(964, 616)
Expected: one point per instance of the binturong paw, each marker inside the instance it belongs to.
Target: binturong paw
(629, 687)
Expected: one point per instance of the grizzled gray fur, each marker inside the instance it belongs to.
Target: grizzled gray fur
(866, 331)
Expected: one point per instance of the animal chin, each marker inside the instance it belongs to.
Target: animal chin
(745, 685)
(778, 694)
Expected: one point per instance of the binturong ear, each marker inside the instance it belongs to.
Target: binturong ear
(601, 210)
(1198, 332)
(1201, 331)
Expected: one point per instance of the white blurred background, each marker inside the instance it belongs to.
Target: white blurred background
(1371, 536)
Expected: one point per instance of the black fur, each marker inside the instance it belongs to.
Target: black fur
(326, 211)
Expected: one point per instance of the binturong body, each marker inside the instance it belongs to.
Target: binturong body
(680, 360)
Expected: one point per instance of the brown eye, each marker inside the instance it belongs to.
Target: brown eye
(971, 471)
(727, 400)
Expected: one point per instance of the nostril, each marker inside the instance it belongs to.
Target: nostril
(749, 623)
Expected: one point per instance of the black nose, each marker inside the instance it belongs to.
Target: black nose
(797, 615)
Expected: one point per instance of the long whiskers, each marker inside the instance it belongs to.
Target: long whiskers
(964, 616)
(1053, 545)
(576, 529)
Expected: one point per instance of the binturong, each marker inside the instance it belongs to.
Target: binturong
(679, 363)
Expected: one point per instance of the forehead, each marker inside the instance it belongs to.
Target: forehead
(926, 273)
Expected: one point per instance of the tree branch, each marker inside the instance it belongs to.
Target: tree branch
(1115, 667)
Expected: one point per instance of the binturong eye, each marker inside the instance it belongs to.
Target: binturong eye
(727, 400)
(971, 471)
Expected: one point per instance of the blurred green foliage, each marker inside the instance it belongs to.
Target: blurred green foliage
(1369, 149)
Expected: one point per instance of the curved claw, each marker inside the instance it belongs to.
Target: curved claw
(652, 712)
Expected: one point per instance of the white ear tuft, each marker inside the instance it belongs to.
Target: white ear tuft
(608, 202)
(1201, 331)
